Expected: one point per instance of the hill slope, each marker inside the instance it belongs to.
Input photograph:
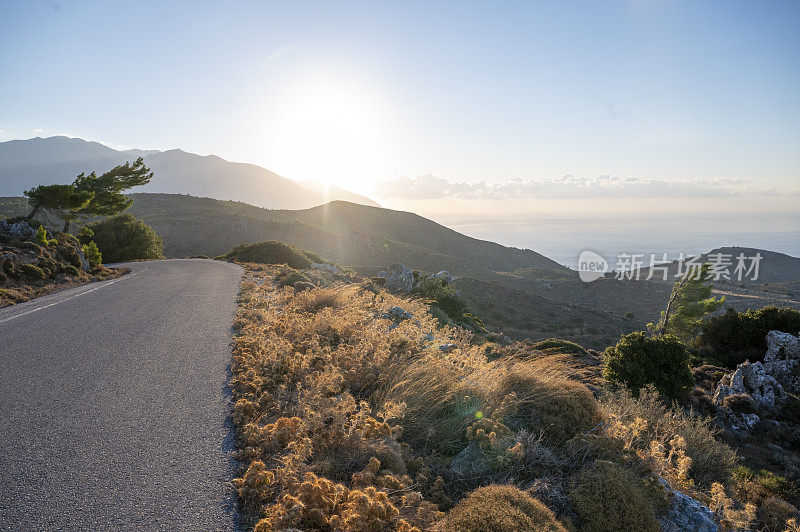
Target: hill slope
(356, 235)
(27, 163)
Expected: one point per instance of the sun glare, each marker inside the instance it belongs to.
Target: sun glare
(328, 129)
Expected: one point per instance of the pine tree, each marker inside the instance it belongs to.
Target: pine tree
(90, 195)
(689, 302)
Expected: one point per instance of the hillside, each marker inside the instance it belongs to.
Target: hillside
(36, 161)
(774, 267)
(355, 235)
(348, 393)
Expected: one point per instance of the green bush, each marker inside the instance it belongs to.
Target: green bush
(32, 272)
(609, 498)
(445, 297)
(290, 278)
(638, 359)
(273, 252)
(561, 346)
(71, 270)
(501, 509)
(123, 238)
(41, 237)
(92, 254)
(734, 337)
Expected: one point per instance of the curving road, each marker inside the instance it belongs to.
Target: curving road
(113, 405)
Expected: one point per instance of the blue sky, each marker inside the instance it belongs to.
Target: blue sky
(361, 92)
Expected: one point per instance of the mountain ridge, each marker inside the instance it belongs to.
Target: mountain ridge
(37, 161)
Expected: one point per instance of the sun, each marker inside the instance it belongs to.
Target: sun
(331, 129)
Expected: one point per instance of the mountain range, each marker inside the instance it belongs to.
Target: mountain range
(43, 161)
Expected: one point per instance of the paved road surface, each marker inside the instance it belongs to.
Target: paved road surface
(113, 403)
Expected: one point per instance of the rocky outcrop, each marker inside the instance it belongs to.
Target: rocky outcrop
(768, 383)
(399, 278)
(757, 392)
(10, 231)
(686, 513)
(754, 380)
(782, 346)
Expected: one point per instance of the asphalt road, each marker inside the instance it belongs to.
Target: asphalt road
(113, 404)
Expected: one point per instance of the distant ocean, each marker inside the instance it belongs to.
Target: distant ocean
(563, 243)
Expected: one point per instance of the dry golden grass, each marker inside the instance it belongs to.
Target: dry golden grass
(500, 509)
(349, 419)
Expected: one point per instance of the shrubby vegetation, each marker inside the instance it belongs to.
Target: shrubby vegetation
(444, 298)
(561, 346)
(124, 238)
(500, 509)
(274, 252)
(638, 359)
(351, 417)
(734, 337)
(34, 267)
(92, 254)
(627, 502)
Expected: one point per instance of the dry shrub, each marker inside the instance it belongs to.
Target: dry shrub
(609, 497)
(730, 514)
(646, 424)
(500, 509)
(315, 300)
(319, 445)
(546, 402)
(774, 514)
(441, 400)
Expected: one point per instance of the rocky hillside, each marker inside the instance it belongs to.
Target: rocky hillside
(356, 393)
(356, 235)
(30, 267)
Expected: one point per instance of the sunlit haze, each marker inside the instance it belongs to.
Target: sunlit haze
(468, 102)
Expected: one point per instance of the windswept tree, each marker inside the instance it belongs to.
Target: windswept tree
(58, 199)
(689, 302)
(90, 195)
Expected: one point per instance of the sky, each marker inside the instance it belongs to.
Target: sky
(358, 93)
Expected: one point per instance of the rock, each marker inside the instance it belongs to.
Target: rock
(84, 263)
(399, 278)
(686, 513)
(399, 313)
(447, 348)
(757, 381)
(17, 231)
(444, 275)
(471, 461)
(722, 392)
(325, 267)
(782, 346)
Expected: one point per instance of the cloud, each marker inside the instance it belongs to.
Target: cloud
(37, 130)
(605, 186)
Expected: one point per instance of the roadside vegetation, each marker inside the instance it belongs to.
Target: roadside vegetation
(357, 409)
(34, 263)
(123, 238)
